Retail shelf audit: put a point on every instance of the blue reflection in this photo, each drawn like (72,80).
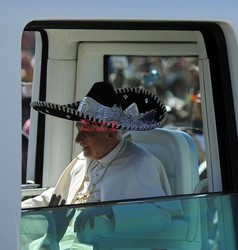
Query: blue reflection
(181,222)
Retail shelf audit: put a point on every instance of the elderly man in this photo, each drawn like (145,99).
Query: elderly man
(106,159)
(108,168)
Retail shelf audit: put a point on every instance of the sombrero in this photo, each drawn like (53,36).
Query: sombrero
(124,108)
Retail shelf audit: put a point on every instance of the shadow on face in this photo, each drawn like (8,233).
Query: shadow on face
(96,144)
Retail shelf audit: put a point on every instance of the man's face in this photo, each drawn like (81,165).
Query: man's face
(94,143)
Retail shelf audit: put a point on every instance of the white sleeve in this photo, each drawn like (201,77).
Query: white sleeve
(40,200)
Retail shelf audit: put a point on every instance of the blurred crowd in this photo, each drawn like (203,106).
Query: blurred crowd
(27,66)
(174,79)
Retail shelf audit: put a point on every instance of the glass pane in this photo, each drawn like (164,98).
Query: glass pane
(176,81)
(199,222)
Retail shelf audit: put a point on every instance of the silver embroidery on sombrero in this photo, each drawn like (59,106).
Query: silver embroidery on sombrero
(94,109)
(132,111)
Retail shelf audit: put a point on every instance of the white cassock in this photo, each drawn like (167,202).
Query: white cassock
(127,172)
(134,173)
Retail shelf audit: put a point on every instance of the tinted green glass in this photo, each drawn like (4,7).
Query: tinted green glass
(199,222)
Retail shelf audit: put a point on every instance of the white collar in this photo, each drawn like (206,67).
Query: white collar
(112,154)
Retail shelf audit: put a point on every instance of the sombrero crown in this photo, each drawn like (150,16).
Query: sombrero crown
(125,108)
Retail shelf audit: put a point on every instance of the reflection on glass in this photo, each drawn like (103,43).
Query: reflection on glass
(201,222)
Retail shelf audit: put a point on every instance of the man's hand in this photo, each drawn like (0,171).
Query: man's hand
(89,214)
(55,201)
(60,218)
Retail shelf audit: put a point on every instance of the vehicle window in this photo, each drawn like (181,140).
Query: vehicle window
(162,223)
(174,78)
(176,81)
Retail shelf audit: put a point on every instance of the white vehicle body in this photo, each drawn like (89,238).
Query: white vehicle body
(172,22)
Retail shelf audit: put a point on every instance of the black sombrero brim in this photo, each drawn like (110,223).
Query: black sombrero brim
(152,111)
(68,111)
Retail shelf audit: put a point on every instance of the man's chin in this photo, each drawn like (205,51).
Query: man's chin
(86,153)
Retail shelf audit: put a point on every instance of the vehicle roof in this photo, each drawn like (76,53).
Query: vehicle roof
(213,10)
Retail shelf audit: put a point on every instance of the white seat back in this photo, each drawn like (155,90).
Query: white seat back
(177,152)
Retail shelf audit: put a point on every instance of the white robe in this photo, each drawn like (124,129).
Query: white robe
(135,173)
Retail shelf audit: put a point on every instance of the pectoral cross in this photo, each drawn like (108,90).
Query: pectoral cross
(79,199)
